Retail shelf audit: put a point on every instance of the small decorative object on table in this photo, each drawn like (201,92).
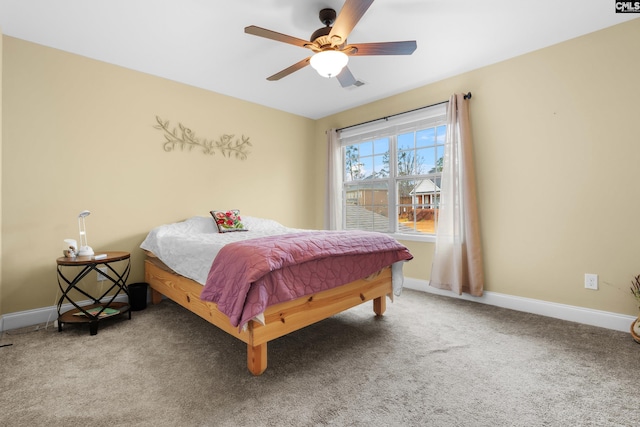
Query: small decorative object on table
(69,253)
(635,326)
(70,249)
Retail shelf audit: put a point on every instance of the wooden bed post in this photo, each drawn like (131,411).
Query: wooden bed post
(257,358)
(156,296)
(379,305)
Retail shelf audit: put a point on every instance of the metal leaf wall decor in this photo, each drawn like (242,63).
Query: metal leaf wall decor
(182,137)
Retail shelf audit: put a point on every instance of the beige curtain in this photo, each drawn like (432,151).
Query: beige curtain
(333,204)
(457,262)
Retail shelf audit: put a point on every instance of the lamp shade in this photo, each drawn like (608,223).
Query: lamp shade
(329,63)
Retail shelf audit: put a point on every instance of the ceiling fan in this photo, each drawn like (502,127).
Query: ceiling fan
(329,44)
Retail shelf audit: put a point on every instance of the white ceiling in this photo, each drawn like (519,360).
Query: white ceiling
(202,42)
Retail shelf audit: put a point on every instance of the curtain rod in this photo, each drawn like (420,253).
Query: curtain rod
(466,96)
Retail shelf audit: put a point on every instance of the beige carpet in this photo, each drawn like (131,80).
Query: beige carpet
(430,361)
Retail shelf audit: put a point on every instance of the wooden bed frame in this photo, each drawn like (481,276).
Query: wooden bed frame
(280,319)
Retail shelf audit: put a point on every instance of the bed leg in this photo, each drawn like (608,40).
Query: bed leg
(379,305)
(156,296)
(257,358)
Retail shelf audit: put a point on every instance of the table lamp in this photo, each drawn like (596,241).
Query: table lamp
(84,249)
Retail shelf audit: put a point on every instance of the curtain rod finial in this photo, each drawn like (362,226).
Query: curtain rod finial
(467,95)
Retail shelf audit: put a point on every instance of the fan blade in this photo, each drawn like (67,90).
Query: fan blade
(348,17)
(268,34)
(295,67)
(383,48)
(345,77)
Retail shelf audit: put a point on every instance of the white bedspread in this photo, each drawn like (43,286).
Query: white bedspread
(189,247)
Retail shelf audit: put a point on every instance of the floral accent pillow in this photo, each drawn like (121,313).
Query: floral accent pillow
(228,221)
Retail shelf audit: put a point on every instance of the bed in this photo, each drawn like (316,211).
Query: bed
(194,264)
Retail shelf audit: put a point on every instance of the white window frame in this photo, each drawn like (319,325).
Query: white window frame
(391,127)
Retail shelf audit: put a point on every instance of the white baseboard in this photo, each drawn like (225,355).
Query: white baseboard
(23,319)
(603,319)
(587,316)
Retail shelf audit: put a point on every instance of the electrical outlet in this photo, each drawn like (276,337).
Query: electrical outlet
(102,274)
(591,281)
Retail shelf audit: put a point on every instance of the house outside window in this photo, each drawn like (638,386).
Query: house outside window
(392,173)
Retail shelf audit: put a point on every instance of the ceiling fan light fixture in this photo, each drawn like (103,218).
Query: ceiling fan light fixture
(329,63)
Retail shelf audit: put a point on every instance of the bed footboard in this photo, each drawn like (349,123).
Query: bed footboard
(280,319)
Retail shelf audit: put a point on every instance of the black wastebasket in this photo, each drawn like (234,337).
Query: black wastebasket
(138,296)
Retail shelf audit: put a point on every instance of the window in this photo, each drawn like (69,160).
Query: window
(392,173)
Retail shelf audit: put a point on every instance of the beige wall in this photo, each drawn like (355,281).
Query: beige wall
(1,312)
(556,145)
(78,134)
(556,150)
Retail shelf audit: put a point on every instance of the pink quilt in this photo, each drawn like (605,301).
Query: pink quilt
(248,276)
